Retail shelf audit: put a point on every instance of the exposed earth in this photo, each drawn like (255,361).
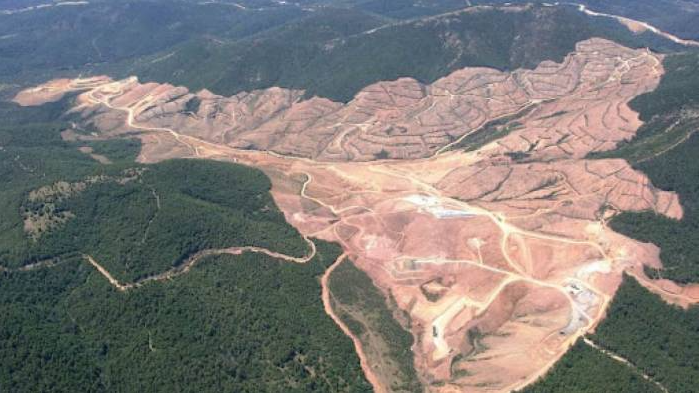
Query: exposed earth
(469,202)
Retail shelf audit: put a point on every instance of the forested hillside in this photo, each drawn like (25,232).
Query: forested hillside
(330,49)
(659,339)
(42,43)
(234,323)
(364,310)
(59,202)
(139,228)
(584,369)
(303,56)
(666,149)
(678,17)
(244,323)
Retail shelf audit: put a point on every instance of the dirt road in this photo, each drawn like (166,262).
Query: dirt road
(194,259)
(326,296)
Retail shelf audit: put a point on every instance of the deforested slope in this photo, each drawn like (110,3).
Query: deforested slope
(665,148)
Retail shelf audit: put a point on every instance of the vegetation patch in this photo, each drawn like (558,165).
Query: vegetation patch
(328,55)
(491,131)
(586,370)
(245,323)
(658,338)
(362,307)
(119,151)
(42,208)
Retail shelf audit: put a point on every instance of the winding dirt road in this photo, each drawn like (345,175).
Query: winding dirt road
(194,259)
(635,25)
(624,361)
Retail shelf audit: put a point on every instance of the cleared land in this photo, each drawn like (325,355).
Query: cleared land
(500,257)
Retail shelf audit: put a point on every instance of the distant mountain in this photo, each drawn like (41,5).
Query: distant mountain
(330,48)
(678,17)
(44,41)
(330,55)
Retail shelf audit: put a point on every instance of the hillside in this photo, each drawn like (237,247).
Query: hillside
(66,327)
(678,17)
(75,39)
(347,196)
(339,64)
(230,47)
(665,148)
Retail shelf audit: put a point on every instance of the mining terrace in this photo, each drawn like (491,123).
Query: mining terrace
(470,202)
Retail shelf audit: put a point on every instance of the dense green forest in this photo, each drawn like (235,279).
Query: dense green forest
(172,210)
(660,340)
(329,48)
(234,323)
(666,149)
(586,370)
(45,42)
(364,310)
(72,39)
(679,17)
(128,217)
(304,54)
(244,323)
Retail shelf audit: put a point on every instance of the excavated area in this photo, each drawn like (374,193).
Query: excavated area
(497,253)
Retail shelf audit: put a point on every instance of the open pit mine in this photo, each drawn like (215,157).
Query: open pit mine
(470,202)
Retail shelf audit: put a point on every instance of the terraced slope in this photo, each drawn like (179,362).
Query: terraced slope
(399,119)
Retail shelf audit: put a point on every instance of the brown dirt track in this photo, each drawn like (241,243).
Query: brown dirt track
(501,256)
